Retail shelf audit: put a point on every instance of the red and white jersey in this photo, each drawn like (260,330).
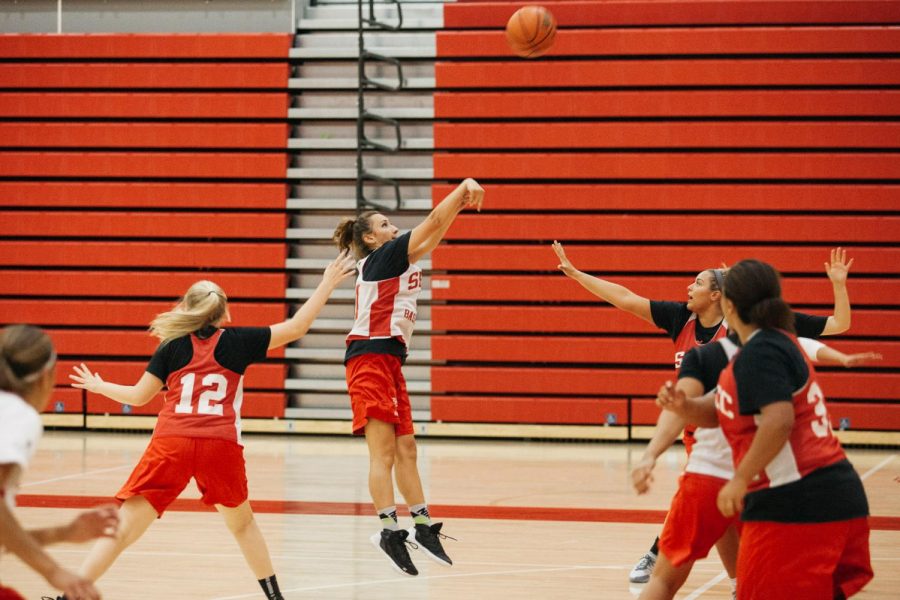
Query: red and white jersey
(711,453)
(811,445)
(687,339)
(203,397)
(386,308)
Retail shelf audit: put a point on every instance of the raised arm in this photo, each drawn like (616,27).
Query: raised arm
(297,326)
(822,353)
(428,234)
(138,394)
(617,295)
(837,270)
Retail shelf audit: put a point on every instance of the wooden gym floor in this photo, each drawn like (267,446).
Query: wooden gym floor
(534,520)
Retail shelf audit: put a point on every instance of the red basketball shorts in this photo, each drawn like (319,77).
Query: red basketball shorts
(694,523)
(803,561)
(9,594)
(169,463)
(378,391)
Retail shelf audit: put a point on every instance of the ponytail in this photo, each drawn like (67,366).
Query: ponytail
(203,304)
(755,289)
(26,353)
(348,235)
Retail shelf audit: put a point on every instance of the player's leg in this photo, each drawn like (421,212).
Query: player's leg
(391,540)
(135,516)
(160,476)
(426,534)
(727,547)
(221,476)
(666,579)
(643,568)
(243,526)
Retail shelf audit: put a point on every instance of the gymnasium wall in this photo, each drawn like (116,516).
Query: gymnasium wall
(131,167)
(130,16)
(656,140)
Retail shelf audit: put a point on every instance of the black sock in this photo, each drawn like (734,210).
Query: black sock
(655,549)
(270,587)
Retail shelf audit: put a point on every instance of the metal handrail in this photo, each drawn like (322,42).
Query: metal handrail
(362,141)
(373,22)
(367,116)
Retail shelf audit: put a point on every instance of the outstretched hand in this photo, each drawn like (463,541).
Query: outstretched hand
(340,268)
(855,360)
(565,265)
(84,379)
(668,398)
(473,194)
(102,521)
(838,268)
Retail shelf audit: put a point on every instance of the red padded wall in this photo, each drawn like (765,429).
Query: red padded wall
(656,140)
(132,166)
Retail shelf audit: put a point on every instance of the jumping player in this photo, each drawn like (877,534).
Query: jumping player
(792,483)
(387,287)
(198,432)
(27,376)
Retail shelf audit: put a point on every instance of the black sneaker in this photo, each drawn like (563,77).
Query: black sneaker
(393,544)
(429,537)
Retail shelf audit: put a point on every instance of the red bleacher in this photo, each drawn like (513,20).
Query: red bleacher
(193,135)
(655,140)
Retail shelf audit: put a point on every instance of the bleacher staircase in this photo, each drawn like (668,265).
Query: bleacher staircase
(323,144)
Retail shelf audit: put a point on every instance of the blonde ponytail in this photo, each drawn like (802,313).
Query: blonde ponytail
(26,353)
(203,304)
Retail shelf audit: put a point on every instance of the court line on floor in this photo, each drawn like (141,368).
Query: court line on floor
(75,475)
(410,580)
(449,511)
(318,556)
(700,590)
(878,467)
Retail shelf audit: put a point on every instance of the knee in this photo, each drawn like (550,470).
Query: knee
(383,458)
(240,523)
(407,450)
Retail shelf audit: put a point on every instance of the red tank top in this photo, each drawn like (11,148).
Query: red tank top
(686,340)
(203,398)
(811,445)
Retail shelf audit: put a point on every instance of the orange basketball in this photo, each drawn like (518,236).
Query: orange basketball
(530,31)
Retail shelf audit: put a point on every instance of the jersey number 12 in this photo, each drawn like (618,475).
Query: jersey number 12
(208,403)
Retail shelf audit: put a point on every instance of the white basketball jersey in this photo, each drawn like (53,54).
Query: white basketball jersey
(711,454)
(386,308)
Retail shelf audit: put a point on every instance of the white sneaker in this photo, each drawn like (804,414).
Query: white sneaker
(642,570)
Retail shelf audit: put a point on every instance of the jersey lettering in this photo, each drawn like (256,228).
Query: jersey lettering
(723,402)
(415,281)
(679,356)
(822,426)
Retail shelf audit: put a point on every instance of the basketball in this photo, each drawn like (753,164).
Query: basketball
(530,31)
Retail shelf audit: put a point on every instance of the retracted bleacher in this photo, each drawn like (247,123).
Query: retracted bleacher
(132,166)
(656,140)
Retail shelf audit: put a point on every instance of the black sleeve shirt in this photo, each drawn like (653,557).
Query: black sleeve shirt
(238,348)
